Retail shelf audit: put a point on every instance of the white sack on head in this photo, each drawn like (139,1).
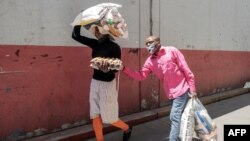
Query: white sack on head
(114,23)
(107,17)
(89,16)
(93,14)
(109,5)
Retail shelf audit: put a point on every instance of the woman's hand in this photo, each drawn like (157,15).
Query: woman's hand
(104,66)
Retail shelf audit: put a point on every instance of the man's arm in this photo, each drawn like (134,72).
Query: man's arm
(138,75)
(180,59)
(76,35)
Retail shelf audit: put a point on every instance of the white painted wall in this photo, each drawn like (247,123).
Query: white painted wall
(47,22)
(206,24)
(192,24)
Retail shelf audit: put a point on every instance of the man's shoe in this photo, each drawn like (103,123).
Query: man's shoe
(127,134)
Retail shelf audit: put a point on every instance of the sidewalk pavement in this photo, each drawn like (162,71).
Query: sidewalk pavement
(154,122)
(230,111)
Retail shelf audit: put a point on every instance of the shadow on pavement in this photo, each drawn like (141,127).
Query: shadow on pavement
(159,129)
(228,105)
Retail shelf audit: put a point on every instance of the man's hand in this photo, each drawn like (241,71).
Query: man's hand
(122,67)
(193,94)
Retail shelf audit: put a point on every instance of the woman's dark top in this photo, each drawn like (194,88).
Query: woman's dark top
(100,48)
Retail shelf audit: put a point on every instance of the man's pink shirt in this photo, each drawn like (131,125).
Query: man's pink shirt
(171,68)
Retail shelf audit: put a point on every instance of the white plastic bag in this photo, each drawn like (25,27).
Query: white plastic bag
(93,14)
(90,15)
(205,128)
(187,122)
(114,23)
(109,5)
(106,17)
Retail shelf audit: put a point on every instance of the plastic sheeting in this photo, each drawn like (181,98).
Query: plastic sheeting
(187,122)
(106,17)
(195,118)
(205,128)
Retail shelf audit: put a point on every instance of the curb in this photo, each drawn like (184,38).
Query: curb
(86,132)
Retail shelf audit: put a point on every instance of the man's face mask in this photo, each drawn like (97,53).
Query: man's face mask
(151,48)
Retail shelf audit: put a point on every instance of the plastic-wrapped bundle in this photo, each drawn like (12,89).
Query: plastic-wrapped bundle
(205,128)
(93,14)
(113,63)
(114,23)
(187,122)
(106,17)
(89,16)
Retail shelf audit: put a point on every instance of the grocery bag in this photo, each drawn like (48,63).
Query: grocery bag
(187,122)
(205,128)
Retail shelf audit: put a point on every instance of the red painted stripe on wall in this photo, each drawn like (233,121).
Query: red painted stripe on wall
(45,87)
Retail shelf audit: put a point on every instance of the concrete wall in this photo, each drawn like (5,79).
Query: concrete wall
(206,25)
(45,75)
(47,22)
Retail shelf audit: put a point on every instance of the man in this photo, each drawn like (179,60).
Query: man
(169,65)
(103,93)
